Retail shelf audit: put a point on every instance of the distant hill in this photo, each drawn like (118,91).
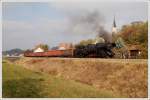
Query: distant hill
(15,52)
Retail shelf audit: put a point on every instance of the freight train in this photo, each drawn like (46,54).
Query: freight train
(100,50)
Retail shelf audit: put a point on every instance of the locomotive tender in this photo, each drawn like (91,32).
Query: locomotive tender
(100,50)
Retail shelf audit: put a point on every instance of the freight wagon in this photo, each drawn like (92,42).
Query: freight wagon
(51,53)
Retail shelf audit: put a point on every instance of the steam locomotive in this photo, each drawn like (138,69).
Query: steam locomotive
(100,50)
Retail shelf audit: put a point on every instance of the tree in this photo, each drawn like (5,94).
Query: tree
(86,42)
(135,33)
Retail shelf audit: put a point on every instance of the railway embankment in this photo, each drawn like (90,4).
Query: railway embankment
(125,77)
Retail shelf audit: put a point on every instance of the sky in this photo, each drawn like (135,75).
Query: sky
(26,24)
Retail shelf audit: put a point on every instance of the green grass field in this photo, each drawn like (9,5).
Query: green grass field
(19,82)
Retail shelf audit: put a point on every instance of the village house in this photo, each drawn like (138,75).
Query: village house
(65,46)
(38,50)
(134,51)
(128,52)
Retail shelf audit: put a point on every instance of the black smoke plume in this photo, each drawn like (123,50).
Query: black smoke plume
(89,23)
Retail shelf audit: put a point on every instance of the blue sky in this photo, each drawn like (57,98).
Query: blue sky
(28,24)
(30,11)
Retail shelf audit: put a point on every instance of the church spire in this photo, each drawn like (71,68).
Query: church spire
(114,23)
(114,29)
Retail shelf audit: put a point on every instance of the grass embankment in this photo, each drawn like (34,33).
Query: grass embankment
(125,77)
(21,82)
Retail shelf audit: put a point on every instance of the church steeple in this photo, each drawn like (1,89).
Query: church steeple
(114,23)
(114,28)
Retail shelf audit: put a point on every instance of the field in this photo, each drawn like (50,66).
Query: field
(21,82)
(84,77)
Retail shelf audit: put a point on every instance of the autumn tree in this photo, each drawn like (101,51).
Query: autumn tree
(135,33)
